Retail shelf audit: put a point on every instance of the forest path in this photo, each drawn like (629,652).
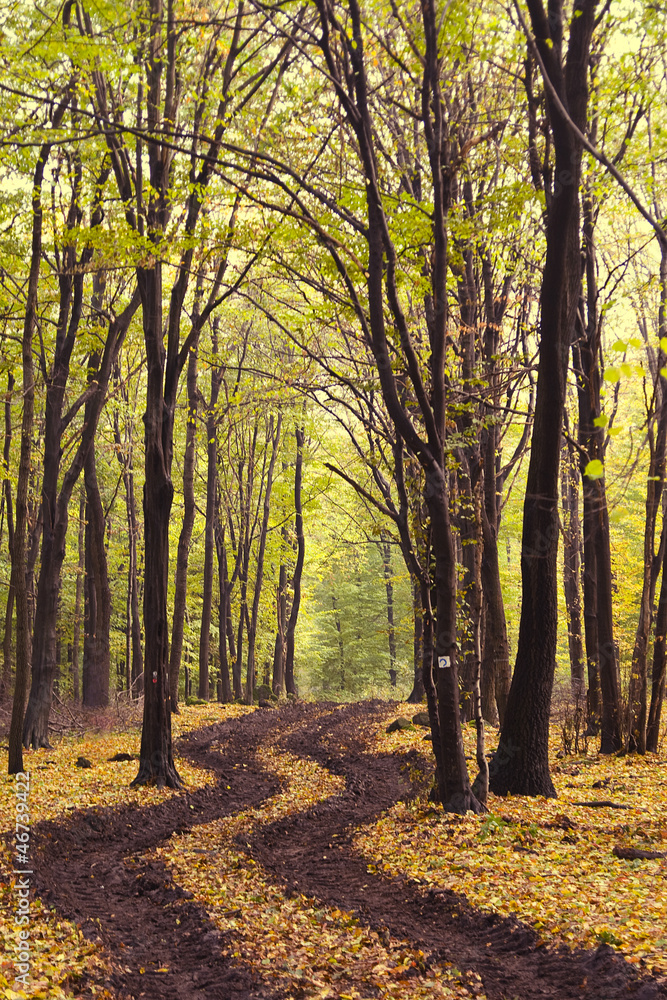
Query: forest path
(92,869)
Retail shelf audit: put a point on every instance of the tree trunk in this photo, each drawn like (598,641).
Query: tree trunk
(28,387)
(659,669)
(418,692)
(96,650)
(78,598)
(135,650)
(181,583)
(637,695)
(209,539)
(156,763)
(470,586)
(290,632)
(385,548)
(224,615)
(7,495)
(278,674)
(571,570)
(521,763)
(455,792)
(274,439)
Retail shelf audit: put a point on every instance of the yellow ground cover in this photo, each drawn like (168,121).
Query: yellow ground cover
(59,952)
(547,861)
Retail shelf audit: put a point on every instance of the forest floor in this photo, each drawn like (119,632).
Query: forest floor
(303,860)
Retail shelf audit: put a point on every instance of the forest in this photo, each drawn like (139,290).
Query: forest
(333,354)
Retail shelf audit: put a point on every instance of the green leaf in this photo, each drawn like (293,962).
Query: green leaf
(602,420)
(594,469)
(620,345)
(612,374)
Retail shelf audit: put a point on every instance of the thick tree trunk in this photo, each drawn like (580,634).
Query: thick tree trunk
(521,763)
(156,764)
(455,791)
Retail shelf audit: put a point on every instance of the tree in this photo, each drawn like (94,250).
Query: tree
(521,763)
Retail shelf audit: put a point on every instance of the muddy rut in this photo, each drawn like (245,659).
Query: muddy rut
(91,868)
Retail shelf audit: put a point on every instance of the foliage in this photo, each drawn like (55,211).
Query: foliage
(548,862)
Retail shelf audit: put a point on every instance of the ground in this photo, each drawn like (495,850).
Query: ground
(309,863)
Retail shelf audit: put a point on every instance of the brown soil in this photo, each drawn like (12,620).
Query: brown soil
(90,867)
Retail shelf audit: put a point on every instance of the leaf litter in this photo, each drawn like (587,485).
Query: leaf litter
(547,862)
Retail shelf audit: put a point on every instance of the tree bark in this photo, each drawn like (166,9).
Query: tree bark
(78,598)
(385,548)
(278,674)
(521,763)
(7,494)
(224,619)
(637,694)
(183,552)
(290,632)
(209,530)
(134,650)
(418,692)
(96,648)
(571,569)
(19,546)
(659,669)
(603,696)
(251,617)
